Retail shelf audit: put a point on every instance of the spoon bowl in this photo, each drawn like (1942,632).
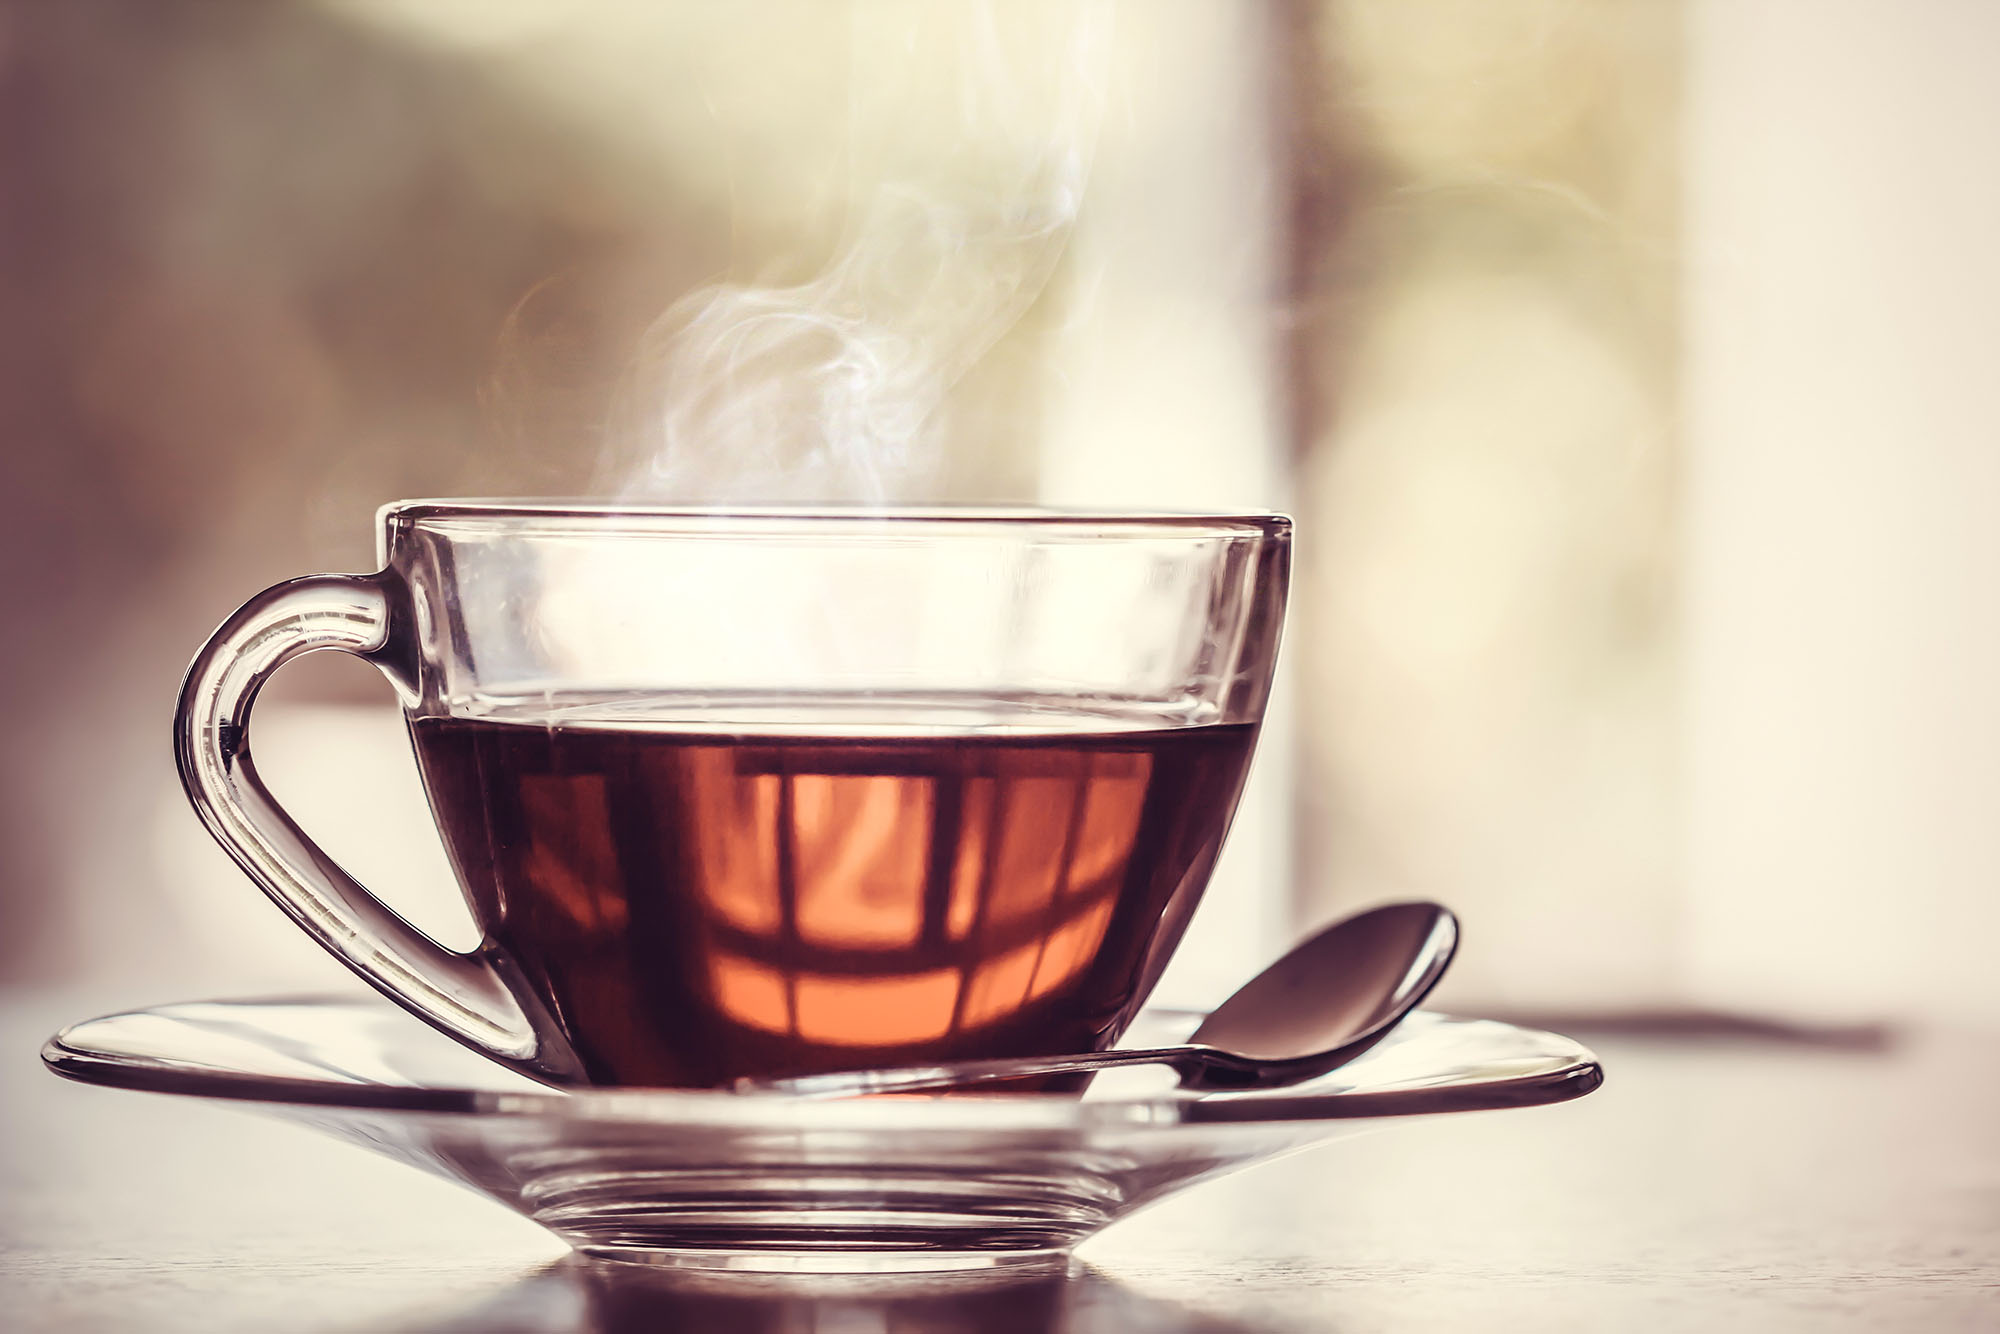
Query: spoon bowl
(1332,997)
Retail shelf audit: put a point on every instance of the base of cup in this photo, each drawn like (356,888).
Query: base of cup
(716,1260)
(827,1222)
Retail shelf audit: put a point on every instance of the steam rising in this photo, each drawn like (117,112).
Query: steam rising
(837,389)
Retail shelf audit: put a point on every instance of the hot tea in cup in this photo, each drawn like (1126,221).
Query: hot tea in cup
(774,793)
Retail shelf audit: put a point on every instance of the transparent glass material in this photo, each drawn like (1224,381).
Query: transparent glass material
(765,1182)
(773,792)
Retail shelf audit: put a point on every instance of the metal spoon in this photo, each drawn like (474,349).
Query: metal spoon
(1331,998)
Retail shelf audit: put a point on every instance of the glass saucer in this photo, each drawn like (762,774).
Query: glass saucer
(770,1183)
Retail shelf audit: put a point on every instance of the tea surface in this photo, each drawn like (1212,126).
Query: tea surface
(695,906)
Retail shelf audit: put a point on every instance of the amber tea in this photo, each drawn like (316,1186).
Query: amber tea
(696,905)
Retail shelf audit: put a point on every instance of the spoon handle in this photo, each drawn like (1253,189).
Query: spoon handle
(914,1078)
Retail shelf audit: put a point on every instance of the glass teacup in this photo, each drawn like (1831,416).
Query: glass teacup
(776,792)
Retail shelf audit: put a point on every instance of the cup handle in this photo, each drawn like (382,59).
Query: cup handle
(466,995)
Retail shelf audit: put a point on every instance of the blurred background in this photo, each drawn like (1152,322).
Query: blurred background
(1627,365)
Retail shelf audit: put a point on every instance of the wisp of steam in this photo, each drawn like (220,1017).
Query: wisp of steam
(836,389)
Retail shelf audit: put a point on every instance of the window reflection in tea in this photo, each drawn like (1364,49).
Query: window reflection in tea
(696,906)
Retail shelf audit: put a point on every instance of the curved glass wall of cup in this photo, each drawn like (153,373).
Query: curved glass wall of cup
(936,620)
(863,781)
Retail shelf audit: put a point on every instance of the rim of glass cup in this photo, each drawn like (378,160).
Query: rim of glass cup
(1267,523)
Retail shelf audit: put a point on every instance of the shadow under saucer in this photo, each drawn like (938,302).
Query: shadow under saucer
(577,1295)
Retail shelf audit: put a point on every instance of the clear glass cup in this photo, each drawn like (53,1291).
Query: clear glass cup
(775,791)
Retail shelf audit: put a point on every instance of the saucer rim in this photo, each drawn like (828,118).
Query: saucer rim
(1574,1072)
